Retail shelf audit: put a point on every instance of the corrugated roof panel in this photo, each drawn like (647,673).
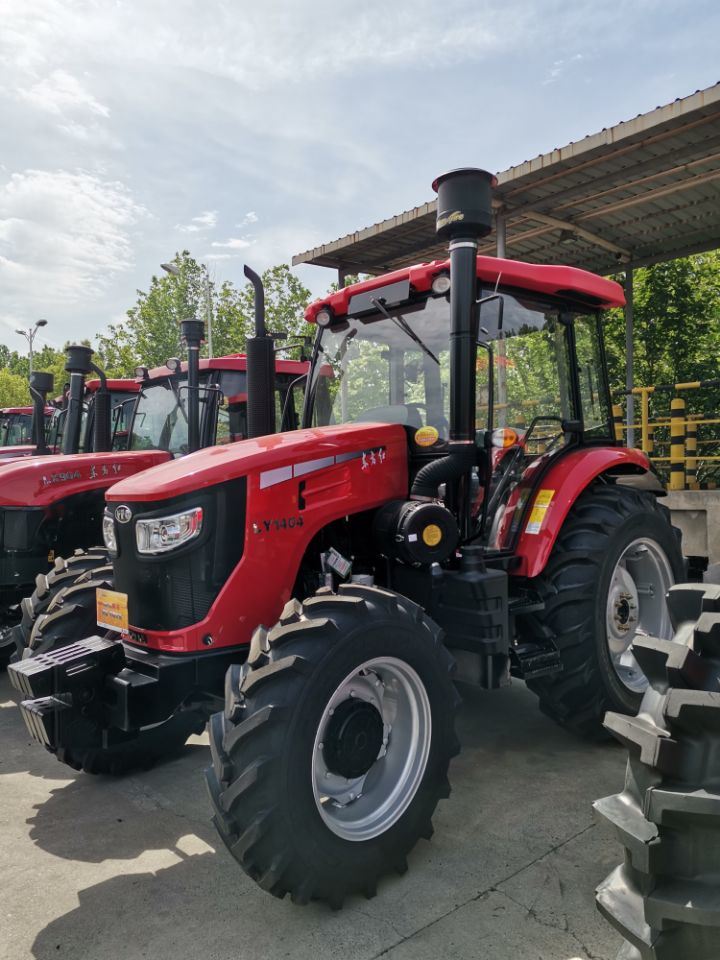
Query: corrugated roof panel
(649,186)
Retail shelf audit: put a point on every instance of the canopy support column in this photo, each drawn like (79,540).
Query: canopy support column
(629,373)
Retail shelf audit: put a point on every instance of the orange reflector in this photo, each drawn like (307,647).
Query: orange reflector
(505,437)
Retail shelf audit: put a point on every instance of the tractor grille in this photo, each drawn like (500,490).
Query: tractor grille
(176,589)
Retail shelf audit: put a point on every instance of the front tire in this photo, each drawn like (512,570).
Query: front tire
(65,573)
(664,897)
(333,749)
(605,584)
(71,617)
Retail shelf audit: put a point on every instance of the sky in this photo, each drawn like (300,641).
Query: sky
(249,132)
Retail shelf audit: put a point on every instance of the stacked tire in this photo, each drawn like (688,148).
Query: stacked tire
(665,897)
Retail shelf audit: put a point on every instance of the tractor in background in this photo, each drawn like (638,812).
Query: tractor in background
(51,508)
(455,507)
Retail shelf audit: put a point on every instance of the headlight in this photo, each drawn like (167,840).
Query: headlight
(108,529)
(166,533)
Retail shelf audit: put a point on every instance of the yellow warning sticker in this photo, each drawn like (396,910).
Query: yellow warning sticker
(426,436)
(542,501)
(112,610)
(432,535)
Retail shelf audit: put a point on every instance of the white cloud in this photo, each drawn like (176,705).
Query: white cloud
(60,93)
(234,243)
(204,221)
(63,237)
(559,67)
(250,217)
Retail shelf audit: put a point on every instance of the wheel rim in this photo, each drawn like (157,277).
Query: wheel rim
(636,607)
(371,749)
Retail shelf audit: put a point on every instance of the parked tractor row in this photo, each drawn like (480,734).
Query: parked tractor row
(316,593)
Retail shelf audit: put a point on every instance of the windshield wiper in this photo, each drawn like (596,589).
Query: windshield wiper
(401,322)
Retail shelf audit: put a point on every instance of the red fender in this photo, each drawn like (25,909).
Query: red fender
(554,496)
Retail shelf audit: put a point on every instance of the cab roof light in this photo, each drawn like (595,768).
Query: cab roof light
(142,373)
(324,317)
(173,365)
(440,284)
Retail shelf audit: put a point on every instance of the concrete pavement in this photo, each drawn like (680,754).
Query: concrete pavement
(103,869)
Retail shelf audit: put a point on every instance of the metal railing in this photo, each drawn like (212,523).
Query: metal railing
(676,439)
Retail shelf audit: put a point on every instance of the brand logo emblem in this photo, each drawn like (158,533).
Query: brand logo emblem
(123,514)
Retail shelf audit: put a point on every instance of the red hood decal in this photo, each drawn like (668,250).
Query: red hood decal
(40,481)
(277,457)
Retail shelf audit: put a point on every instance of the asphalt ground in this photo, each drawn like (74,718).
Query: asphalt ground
(122,869)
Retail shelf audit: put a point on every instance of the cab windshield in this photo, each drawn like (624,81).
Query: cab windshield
(15,429)
(371,368)
(161,420)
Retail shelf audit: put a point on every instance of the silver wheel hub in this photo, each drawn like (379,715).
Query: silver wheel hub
(636,606)
(371,748)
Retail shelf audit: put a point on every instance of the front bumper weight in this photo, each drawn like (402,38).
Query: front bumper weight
(77,665)
(42,718)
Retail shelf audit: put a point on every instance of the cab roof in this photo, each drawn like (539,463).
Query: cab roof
(234,361)
(533,277)
(114,384)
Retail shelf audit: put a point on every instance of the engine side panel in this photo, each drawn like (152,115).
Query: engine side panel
(293,491)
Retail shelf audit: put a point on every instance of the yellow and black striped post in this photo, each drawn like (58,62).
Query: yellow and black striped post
(691,448)
(677,444)
(617,416)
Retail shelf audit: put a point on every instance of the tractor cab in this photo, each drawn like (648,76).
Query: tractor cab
(537,382)
(160,418)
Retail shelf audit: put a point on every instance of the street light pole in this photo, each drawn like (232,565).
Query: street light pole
(30,335)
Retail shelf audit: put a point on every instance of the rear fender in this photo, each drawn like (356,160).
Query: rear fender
(556,492)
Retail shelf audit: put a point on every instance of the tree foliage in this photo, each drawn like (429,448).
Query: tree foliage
(151,333)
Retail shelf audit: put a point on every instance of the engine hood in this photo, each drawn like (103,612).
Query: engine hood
(40,481)
(273,458)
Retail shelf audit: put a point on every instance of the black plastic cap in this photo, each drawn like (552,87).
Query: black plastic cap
(78,359)
(464,204)
(193,332)
(44,383)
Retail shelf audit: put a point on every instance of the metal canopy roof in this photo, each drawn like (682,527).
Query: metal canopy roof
(640,192)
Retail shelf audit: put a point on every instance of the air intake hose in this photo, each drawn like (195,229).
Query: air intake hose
(460,461)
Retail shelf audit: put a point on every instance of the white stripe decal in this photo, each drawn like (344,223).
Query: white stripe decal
(269,478)
(310,466)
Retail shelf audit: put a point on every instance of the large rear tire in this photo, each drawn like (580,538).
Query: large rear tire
(665,898)
(605,584)
(333,749)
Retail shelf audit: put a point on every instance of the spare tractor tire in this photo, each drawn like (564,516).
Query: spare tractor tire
(333,749)
(605,583)
(665,897)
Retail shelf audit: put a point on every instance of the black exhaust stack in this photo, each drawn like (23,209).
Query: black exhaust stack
(102,438)
(78,364)
(193,334)
(260,368)
(41,384)
(464,215)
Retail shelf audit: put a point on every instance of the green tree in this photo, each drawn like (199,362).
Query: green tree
(151,333)
(676,323)
(13,389)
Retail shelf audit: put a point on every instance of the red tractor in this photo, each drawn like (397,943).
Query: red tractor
(52,507)
(454,506)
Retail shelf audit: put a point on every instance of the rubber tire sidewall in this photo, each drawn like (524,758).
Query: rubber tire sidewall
(314,838)
(649,526)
